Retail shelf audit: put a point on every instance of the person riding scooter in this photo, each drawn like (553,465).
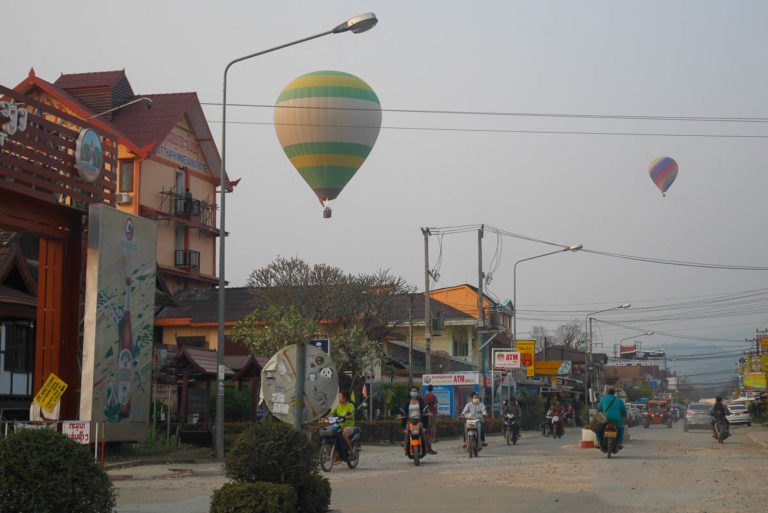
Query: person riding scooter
(719,411)
(513,408)
(412,409)
(475,407)
(614,409)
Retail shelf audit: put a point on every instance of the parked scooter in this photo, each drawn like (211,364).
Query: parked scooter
(333,447)
(472,431)
(511,428)
(415,445)
(558,425)
(609,443)
(546,425)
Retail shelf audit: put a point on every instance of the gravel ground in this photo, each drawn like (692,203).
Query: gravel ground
(660,470)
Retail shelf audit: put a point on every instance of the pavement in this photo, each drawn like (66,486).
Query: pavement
(757,433)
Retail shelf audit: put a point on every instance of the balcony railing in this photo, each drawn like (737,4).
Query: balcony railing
(187,207)
(187,259)
(181,205)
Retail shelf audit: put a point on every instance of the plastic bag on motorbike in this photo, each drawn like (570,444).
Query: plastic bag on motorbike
(597,424)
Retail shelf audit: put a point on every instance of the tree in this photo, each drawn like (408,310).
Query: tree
(571,335)
(353,352)
(327,294)
(265,332)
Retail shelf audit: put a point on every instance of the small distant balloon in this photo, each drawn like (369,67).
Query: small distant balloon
(663,172)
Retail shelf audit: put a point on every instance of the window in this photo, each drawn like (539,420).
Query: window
(460,344)
(190,342)
(126,176)
(19,346)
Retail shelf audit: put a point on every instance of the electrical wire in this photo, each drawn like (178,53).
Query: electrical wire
(716,119)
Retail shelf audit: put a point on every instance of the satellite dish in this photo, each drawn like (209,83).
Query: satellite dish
(278,383)
(441,362)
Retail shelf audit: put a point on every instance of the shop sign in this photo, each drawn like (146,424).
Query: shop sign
(468,378)
(755,364)
(506,360)
(527,348)
(88,155)
(754,381)
(17,120)
(764,362)
(553,368)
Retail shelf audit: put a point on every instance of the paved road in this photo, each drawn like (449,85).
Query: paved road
(661,469)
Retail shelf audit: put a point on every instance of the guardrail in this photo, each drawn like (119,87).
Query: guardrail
(81,431)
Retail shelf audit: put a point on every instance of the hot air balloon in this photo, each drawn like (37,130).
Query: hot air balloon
(327,123)
(663,172)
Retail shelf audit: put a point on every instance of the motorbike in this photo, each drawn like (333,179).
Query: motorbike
(546,426)
(333,448)
(415,446)
(472,431)
(511,428)
(558,425)
(609,443)
(721,429)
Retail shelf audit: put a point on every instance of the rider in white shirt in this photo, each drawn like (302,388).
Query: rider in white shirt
(475,407)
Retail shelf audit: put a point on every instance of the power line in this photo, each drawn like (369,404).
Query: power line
(506,130)
(716,119)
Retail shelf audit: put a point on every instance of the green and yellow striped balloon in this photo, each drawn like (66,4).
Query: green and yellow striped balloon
(327,123)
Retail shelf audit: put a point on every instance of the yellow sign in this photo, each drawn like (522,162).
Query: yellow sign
(755,365)
(527,348)
(50,393)
(754,381)
(764,360)
(553,368)
(764,344)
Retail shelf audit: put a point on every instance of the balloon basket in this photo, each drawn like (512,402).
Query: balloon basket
(326,213)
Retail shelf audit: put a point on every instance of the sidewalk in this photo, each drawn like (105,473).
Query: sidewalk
(143,470)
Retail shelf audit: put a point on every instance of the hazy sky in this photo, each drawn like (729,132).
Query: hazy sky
(695,58)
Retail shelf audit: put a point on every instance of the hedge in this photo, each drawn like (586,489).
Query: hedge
(258,497)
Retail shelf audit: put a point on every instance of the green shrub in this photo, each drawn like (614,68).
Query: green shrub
(533,408)
(273,452)
(258,497)
(43,471)
(313,492)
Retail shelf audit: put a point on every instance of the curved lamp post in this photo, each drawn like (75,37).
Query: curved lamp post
(356,25)
(588,358)
(575,247)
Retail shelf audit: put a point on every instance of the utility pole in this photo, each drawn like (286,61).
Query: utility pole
(427,311)
(480,312)
(410,342)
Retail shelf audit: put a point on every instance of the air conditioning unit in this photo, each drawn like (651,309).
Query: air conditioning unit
(121,198)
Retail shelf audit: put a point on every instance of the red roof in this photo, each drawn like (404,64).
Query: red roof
(87,80)
(151,126)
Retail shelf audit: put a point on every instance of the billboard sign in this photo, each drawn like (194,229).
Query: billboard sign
(78,431)
(527,348)
(444,394)
(50,392)
(754,381)
(506,360)
(119,322)
(553,368)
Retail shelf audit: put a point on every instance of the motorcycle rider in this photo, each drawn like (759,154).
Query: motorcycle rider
(475,407)
(513,408)
(719,411)
(614,409)
(347,410)
(413,408)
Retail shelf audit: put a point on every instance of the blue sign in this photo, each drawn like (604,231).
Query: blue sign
(323,344)
(444,395)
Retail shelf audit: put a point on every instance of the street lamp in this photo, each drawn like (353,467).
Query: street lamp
(575,247)
(356,25)
(588,356)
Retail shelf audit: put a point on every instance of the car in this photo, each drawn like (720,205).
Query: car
(698,415)
(739,414)
(633,415)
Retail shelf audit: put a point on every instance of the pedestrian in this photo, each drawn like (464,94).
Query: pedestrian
(430,403)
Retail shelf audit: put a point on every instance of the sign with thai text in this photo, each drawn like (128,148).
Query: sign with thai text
(80,432)
(527,348)
(467,378)
(51,392)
